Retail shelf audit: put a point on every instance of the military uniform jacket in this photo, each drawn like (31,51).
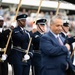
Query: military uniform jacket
(20,39)
(36,40)
(3,41)
(68,40)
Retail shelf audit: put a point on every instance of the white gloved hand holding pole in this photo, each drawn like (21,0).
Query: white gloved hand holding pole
(26,57)
(4,57)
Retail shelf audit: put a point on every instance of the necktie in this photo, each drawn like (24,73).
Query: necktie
(60,41)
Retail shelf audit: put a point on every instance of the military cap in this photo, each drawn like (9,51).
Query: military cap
(41,22)
(66,23)
(22,16)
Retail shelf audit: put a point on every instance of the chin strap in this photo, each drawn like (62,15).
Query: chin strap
(64,30)
(40,28)
(20,22)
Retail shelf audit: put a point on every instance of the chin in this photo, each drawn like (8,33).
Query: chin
(0,26)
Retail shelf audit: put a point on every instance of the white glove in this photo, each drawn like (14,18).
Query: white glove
(1,30)
(4,57)
(26,57)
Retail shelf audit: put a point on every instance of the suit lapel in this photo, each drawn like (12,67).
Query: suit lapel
(53,38)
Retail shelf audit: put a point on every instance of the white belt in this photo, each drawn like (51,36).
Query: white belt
(18,48)
(36,51)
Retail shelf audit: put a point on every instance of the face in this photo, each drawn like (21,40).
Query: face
(22,22)
(66,29)
(42,28)
(56,27)
(1,23)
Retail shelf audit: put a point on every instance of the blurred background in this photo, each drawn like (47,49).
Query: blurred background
(48,9)
(30,7)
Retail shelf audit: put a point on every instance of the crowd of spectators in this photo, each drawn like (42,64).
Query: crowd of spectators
(9,14)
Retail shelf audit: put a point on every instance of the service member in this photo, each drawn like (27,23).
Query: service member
(36,60)
(4,35)
(67,39)
(65,30)
(21,37)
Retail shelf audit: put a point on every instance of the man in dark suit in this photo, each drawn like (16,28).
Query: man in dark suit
(4,34)
(54,54)
(21,38)
(36,60)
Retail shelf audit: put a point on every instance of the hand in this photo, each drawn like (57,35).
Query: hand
(26,57)
(1,30)
(68,46)
(34,30)
(4,57)
(11,27)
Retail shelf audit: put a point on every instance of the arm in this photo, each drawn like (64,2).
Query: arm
(48,48)
(70,40)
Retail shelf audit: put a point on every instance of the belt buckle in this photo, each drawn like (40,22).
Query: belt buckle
(19,47)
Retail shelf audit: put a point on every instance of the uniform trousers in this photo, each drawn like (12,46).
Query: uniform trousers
(36,64)
(21,69)
(4,68)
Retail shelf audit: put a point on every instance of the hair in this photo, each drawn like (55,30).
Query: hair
(52,21)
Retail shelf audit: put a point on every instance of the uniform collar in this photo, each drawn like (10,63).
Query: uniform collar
(22,28)
(64,33)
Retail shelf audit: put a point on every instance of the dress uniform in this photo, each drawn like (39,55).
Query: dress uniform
(65,38)
(36,60)
(20,38)
(68,40)
(4,34)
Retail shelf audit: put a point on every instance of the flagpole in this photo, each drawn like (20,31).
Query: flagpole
(58,8)
(11,30)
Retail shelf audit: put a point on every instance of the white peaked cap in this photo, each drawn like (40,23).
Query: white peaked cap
(1,18)
(65,21)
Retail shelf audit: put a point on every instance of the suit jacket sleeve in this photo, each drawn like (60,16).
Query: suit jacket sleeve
(49,48)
